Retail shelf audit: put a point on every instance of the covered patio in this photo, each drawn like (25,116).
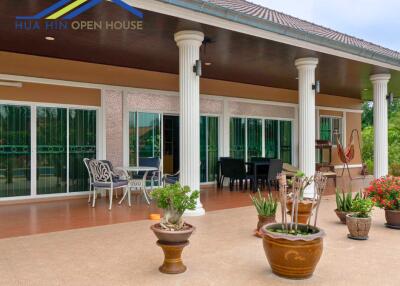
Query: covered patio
(40,217)
(267,88)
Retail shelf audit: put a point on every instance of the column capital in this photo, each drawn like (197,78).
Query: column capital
(194,37)
(380,78)
(306,62)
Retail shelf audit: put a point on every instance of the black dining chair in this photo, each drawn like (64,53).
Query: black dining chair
(262,171)
(275,167)
(222,170)
(235,170)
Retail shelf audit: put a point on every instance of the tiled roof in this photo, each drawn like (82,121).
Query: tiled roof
(276,17)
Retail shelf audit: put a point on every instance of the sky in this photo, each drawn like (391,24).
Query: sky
(376,21)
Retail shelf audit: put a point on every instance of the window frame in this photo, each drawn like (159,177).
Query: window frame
(331,118)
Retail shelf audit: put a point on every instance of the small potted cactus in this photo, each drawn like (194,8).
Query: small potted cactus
(343,204)
(266,209)
(359,220)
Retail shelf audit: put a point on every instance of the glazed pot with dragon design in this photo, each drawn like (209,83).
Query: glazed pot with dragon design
(293,256)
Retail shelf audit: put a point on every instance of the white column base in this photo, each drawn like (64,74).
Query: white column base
(309,192)
(197,212)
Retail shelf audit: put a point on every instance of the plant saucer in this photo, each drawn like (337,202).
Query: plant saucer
(392,226)
(358,237)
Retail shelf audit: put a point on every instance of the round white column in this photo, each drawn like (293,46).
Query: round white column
(306,68)
(381,153)
(189,43)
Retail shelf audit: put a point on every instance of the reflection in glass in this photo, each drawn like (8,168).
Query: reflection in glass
(82,144)
(51,150)
(15,150)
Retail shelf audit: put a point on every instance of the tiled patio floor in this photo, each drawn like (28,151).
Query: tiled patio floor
(222,252)
(43,217)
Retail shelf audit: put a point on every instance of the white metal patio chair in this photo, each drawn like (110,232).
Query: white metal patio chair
(103,180)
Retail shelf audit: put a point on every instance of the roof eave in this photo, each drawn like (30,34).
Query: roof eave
(228,14)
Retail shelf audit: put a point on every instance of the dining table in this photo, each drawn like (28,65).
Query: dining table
(252,164)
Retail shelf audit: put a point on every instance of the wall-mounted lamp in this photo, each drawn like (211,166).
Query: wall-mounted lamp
(11,84)
(197,68)
(317,86)
(389,98)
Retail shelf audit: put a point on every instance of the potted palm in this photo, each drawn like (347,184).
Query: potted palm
(359,220)
(172,232)
(304,204)
(293,249)
(266,209)
(343,204)
(385,193)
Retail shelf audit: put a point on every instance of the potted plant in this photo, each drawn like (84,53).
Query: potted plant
(385,193)
(359,220)
(294,249)
(172,232)
(343,204)
(266,209)
(305,204)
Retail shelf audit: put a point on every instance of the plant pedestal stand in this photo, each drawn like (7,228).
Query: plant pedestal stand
(173,263)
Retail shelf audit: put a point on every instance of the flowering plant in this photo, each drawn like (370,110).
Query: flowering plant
(385,192)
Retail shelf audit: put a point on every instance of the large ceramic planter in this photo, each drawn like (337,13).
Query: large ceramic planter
(305,210)
(358,227)
(293,257)
(172,244)
(392,218)
(341,215)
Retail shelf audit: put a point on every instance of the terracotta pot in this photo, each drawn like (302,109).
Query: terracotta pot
(358,227)
(393,218)
(341,215)
(305,210)
(263,220)
(172,236)
(294,257)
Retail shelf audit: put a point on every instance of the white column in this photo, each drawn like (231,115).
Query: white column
(189,43)
(306,68)
(225,130)
(381,163)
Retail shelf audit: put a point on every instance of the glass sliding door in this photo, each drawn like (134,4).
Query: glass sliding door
(203,149)
(254,138)
(208,148)
(285,139)
(51,150)
(82,144)
(271,139)
(278,140)
(133,139)
(212,151)
(238,138)
(144,136)
(15,150)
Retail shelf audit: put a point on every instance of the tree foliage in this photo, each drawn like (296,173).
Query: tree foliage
(393,134)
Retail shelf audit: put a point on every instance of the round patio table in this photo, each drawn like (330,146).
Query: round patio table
(137,183)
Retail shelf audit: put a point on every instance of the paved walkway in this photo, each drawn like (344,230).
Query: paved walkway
(222,252)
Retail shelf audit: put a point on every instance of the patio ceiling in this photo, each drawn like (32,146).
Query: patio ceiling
(234,56)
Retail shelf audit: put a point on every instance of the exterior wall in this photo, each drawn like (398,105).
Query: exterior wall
(351,120)
(51,94)
(155,91)
(114,117)
(35,66)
